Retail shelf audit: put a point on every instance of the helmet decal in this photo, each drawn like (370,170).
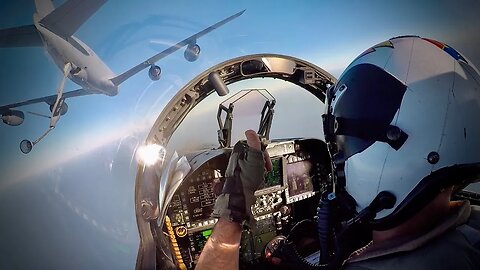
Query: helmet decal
(451,51)
(385,44)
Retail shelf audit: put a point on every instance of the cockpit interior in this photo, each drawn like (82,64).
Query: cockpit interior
(174,200)
(175,226)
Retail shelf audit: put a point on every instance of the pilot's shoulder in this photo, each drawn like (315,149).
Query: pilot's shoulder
(474,219)
(451,250)
(471,230)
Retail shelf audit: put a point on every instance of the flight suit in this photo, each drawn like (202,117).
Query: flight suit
(453,244)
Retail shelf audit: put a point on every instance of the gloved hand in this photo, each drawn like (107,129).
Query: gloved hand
(244,174)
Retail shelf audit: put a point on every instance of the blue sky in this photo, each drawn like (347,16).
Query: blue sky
(81,177)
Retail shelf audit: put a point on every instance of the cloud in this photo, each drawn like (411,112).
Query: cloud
(31,168)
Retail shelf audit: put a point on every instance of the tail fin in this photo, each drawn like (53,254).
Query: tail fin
(67,18)
(44,7)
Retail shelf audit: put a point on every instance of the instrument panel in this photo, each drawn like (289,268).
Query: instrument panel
(297,176)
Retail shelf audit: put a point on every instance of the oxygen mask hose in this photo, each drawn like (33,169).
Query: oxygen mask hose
(324,226)
(383,200)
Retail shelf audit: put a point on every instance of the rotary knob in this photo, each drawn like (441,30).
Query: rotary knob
(181,231)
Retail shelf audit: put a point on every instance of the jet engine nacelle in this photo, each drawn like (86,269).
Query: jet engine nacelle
(192,52)
(154,72)
(13,118)
(64,109)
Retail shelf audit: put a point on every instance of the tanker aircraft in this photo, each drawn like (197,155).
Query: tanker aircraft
(53,28)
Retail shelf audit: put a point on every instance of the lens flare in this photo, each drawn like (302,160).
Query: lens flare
(150,154)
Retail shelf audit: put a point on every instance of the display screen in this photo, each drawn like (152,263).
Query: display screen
(298,177)
(207,233)
(273,177)
(199,239)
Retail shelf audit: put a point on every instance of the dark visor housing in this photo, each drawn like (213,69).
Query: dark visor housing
(362,114)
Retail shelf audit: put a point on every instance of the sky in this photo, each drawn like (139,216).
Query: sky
(69,203)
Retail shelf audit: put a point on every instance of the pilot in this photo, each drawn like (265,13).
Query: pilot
(401,121)
(402,138)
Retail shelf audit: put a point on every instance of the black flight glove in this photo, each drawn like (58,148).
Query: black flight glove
(243,176)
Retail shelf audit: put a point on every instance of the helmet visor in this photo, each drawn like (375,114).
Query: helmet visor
(362,107)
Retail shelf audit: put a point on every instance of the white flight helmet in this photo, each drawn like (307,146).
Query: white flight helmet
(403,118)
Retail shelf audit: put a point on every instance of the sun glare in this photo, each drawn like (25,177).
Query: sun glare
(150,154)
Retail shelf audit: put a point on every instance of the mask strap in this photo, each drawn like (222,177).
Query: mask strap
(370,130)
